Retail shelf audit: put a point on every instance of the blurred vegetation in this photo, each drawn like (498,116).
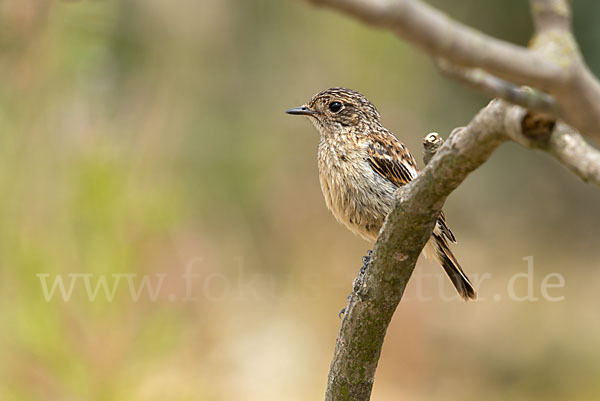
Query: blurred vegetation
(137,135)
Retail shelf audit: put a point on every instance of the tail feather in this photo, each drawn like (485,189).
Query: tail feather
(452,268)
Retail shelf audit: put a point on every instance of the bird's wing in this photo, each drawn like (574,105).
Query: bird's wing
(391,160)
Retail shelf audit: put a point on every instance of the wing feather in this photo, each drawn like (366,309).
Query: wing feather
(445,229)
(391,160)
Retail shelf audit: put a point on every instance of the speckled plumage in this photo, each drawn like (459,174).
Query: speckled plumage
(361,165)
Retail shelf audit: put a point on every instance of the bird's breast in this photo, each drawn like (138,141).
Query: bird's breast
(356,195)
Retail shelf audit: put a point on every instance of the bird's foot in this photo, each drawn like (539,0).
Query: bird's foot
(341,314)
(366,260)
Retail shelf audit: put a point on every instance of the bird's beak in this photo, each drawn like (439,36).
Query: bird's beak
(301,111)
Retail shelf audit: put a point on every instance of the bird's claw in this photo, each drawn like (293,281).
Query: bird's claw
(341,314)
(366,260)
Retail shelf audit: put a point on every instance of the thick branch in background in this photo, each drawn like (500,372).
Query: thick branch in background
(440,36)
(563,74)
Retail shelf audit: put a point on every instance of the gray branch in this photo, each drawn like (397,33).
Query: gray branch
(563,143)
(553,65)
(402,238)
(440,36)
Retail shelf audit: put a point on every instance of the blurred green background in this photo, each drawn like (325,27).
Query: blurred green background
(146,138)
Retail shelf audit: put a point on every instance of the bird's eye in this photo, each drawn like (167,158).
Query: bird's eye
(335,107)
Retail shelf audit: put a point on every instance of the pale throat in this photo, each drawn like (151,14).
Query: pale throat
(325,131)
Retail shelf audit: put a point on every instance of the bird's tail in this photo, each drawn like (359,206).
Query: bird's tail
(451,266)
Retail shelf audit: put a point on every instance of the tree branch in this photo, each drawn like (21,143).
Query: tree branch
(554,64)
(441,36)
(551,14)
(560,141)
(408,227)
(569,148)
(579,95)
(402,238)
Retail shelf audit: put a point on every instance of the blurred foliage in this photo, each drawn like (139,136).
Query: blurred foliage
(138,135)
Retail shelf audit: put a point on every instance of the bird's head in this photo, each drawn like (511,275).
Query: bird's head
(339,110)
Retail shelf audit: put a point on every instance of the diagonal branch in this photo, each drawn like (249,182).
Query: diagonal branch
(441,36)
(402,238)
(377,293)
(563,143)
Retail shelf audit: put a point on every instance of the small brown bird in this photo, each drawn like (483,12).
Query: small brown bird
(361,165)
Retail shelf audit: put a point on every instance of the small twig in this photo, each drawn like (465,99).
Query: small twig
(431,143)
(551,14)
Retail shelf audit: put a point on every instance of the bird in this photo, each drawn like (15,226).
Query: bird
(361,165)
